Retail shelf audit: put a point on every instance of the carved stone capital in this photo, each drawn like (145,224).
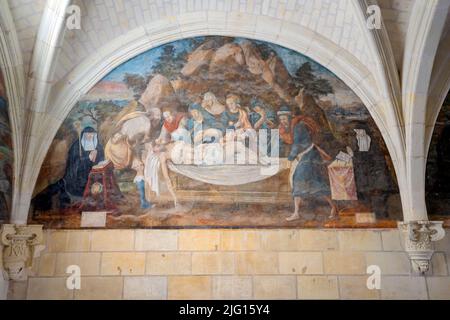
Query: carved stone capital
(18,244)
(418,238)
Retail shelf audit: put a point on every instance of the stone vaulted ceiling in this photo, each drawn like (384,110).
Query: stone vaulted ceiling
(396,15)
(104,20)
(27,15)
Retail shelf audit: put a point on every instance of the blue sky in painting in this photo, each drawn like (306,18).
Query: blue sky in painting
(144,63)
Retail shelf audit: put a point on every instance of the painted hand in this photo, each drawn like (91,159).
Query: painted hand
(93,155)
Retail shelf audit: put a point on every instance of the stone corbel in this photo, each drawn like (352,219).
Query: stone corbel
(418,237)
(19,243)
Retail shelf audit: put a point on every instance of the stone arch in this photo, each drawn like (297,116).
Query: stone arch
(11,64)
(292,36)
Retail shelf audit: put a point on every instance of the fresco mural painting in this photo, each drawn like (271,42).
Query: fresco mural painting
(218,132)
(6,156)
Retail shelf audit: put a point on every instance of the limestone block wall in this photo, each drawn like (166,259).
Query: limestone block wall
(3,288)
(231,264)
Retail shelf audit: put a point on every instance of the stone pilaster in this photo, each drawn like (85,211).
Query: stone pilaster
(18,244)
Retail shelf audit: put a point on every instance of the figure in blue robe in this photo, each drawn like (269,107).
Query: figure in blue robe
(203,121)
(310,178)
(212,121)
(229,119)
(284,127)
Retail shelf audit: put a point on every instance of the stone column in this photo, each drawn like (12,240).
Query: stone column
(422,41)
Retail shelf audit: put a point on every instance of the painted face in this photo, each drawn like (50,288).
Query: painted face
(284,120)
(232,105)
(257,109)
(196,115)
(168,116)
(89,135)
(207,102)
(89,141)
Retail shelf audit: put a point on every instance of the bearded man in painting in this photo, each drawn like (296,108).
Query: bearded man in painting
(308,175)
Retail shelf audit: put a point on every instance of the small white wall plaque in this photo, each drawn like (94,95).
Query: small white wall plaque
(364,218)
(93,219)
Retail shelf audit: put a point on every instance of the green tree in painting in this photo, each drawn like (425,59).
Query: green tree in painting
(313,85)
(170,63)
(135,82)
(194,43)
(265,50)
(87,113)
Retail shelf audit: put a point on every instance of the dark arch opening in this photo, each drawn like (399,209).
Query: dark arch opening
(6,156)
(438,166)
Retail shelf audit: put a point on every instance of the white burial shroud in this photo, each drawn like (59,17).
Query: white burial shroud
(211,169)
(226,175)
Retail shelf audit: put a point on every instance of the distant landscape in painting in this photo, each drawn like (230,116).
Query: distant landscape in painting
(6,156)
(218,132)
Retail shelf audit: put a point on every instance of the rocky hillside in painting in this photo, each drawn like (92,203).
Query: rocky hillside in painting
(242,68)
(223,68)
